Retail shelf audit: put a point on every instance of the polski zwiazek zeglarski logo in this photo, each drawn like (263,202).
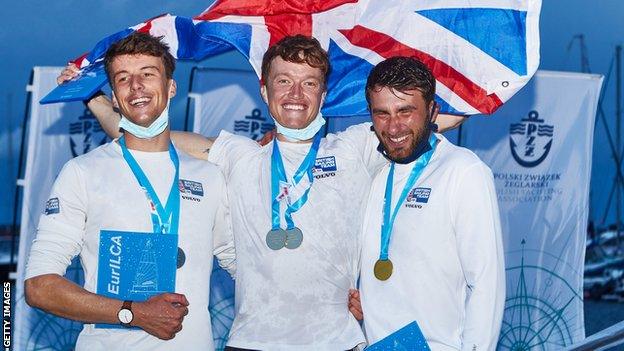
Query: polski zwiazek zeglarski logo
(85,134)
(530,140)
(253,125)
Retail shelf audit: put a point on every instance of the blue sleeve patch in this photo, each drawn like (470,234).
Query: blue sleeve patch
(191,187)
(52,206)
(420,195)
(326,164)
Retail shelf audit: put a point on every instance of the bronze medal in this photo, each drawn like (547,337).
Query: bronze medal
(383,269)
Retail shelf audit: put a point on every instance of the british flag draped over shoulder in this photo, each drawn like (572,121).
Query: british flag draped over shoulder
(480,51)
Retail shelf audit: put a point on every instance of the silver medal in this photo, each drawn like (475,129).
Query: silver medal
(276,239)
(294,238)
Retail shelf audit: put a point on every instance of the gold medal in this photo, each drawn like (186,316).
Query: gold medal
(383,269)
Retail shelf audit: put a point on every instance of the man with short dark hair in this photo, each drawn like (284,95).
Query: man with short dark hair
(432,247)
(144,219)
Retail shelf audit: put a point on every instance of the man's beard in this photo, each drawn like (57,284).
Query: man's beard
(418,146)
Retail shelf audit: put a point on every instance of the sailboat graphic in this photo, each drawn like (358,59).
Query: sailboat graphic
(146,277)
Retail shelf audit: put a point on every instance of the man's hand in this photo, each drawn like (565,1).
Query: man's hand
(447,122)
(161,315)
(355,306)
(70,72)
(99,104)
(267,137)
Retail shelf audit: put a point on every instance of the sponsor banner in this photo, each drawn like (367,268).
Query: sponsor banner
(56,133)
(539,147)
(229,100)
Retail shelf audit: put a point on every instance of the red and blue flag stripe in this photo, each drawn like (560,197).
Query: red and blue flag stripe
(481,52)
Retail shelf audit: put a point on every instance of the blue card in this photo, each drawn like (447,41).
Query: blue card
(81,88)
(408,338)
(136,266)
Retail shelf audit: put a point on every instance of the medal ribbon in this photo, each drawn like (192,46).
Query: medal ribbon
(164,219)
(388,222)
(278,174)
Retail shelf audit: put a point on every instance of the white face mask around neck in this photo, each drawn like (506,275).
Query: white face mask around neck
(156,128)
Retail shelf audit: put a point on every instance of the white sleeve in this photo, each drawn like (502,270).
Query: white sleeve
(364,141)
(223,239)
(228,149)
(474,208)
(61,227)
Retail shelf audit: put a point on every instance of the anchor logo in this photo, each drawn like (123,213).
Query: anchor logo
(86,134)
(254,125)
(531,140)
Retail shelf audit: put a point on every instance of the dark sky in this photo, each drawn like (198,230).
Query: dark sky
(48,33)
(601,23)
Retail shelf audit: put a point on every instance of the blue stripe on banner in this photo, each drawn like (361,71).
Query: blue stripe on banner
(345,86)
(446,108)
(346,100)
(188,40)
(215,38)
(100,48)
(508,46)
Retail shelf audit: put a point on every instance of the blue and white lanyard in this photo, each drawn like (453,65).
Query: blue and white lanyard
(278,174)
(388,221)
(164,219)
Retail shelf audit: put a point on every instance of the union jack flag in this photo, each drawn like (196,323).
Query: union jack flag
(481,51)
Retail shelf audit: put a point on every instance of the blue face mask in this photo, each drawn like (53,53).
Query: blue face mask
(306,133)
(156,128)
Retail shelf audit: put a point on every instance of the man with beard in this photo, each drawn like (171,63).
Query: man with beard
(432,248)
